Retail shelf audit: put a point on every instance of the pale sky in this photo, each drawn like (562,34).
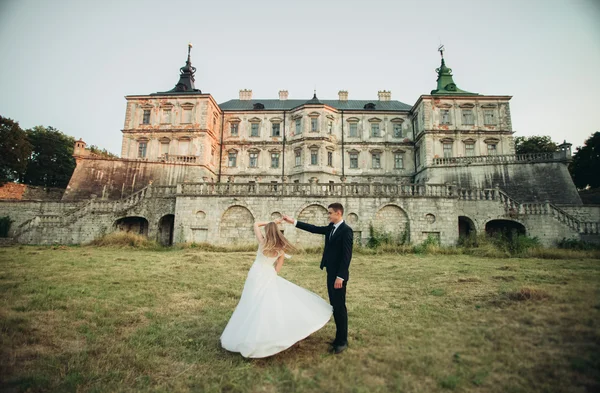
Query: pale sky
(69,64)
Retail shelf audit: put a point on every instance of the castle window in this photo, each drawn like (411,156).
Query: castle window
(489,118)
(274,160)
(467,117)
(232,159)
(330,158)
(164,147)
(375,130)
(353,130)
(445,117)
(314,125)
(253,160)
(276,129)
(447,149)
(398,160)
(234,128)
(146,118)
(397,130)
(469,150)
(184,147)
(376,160)
(298,126)
(253,129)
(187,115)
(492,149)
(314,156)
(142,147)
(166,116)
(298,157)
(354,160)
(330,127)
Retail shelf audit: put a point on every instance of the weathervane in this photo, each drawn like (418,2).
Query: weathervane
(441,50)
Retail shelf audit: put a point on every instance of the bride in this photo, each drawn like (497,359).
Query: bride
(272,314)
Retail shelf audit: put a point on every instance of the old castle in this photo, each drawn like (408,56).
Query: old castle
(193,170)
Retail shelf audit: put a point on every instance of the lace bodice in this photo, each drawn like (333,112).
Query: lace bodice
(264,259)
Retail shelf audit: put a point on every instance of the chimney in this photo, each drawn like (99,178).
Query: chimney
(283,95)
(343,95)
(384,95)
(245,95)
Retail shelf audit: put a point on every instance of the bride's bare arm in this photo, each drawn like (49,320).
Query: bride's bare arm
(279,263)
(257,231)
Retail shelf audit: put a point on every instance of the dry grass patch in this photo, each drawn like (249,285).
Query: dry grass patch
(144,320)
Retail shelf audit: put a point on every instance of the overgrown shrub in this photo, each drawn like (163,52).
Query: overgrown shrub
(378,238)
(5,223)
(576,244)
(124,239)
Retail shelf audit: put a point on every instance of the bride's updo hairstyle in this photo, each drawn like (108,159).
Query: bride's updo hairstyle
(275,241)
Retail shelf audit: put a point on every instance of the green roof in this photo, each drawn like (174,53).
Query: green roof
(445,83)
(275,104)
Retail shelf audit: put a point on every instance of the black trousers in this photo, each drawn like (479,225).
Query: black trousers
(337,299)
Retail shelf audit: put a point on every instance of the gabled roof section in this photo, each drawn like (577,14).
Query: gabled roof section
(281,105)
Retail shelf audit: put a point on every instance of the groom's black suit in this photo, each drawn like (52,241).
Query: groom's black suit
(336,260)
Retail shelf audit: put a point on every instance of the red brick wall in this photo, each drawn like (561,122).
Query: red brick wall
(12,191)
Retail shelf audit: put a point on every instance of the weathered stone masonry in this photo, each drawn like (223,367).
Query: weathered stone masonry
(193,170)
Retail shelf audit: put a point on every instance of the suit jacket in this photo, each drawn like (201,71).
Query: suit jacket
(338,250)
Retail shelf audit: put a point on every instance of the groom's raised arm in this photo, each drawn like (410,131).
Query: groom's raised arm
(307,227)
(311,228)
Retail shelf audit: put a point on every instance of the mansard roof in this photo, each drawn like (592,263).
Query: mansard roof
(276,104)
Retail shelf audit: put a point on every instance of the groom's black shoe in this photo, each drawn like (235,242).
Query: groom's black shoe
(337,349)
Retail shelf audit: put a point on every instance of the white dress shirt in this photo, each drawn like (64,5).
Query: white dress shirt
(335,227)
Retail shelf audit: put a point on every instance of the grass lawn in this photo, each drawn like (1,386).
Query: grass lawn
(108,319)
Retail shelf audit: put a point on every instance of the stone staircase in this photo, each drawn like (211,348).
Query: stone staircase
(514,209)
(92,206)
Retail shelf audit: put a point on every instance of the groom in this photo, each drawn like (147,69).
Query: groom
(336,259)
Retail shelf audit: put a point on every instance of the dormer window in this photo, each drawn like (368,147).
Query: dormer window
(258,106)
(370,106)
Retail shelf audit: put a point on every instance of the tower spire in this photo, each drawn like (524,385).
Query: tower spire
(186,78)
(445,82)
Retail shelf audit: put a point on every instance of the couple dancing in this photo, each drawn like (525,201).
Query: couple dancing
(273,314)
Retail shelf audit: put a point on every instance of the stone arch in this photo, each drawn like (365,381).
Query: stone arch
(315,214)
(508,228)
(133,224)
(236,225)
(392,219)
(166,224)
(466,227)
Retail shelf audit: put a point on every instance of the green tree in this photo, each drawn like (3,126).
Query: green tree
(534,144)
(102,152)
(51,163)
(14,150)
(585,167)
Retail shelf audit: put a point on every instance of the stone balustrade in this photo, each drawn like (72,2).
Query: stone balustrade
(317,189)
(178,158)
(500,159)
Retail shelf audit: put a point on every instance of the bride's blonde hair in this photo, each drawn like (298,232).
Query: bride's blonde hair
(275,241)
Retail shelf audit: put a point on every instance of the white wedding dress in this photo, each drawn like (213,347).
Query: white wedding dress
(273,313)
